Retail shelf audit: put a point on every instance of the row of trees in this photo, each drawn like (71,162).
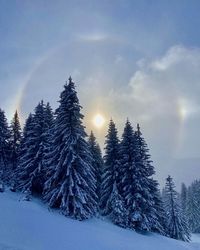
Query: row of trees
(190,200)
(53,159)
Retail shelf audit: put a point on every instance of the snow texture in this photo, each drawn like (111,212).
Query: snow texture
(30,226)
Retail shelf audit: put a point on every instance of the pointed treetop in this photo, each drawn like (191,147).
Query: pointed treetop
(138,127)
(70,79)
(127,121)
(16,116)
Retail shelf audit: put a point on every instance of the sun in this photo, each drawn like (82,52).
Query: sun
(98,121)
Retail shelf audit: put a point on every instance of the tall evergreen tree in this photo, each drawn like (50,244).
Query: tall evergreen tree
(183,197)
(71,185)
(25,145)
(176,223)
(110,172)
(127,180)
(15,140)
(46,146)
(152,207)
(4,147)
(30,171)
(135,186)
(192,209)
(97,161)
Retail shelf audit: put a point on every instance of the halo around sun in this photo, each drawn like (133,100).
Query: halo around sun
(98,121)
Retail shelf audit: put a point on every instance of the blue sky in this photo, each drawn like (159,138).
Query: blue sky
(137,59)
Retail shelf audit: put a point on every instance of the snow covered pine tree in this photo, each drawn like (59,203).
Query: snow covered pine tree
(16,136)
(110,169)
(192,210)
(4,148)
(176,223)
(183,197)
(30,172)
(118,214)
(151,206)
(97,161)
(71,185)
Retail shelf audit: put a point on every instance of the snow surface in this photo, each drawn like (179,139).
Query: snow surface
(30,226)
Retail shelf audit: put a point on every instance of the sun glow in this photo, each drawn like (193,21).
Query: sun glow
(98,121)
(186,108)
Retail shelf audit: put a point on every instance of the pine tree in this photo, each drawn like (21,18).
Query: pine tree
(25,145)
(110,169)
(26,135)
(48,118)
(49,123)
(15,140)
(150,200)
(97,161)
(30,171)
(176,223)
(183,197)
(192,209)
(4,147)
(127,180)
(134,181)
(159,222)
(71,185)
(118,213)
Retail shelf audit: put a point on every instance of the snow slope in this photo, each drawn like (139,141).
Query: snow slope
(30,226)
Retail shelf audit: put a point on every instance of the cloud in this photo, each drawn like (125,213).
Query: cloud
(163,95)
(168,84)
(93,37)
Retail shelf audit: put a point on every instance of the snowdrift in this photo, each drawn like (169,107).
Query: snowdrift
(30,226)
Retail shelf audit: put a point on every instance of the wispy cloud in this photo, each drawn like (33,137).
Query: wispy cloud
(93,37)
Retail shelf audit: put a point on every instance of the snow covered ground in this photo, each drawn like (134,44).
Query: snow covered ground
(30,226)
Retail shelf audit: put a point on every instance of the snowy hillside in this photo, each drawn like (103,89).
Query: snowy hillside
(30,226)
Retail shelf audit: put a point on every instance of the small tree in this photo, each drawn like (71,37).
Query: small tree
(176,223)
(15,140)
(118,215)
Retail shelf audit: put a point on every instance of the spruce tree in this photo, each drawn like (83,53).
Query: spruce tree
(71,184)
(176,222)
(4,147)
(183,197)
(97,161)
(16,135)
(25,145)
(47,138)
(110,172)
(158,222)
(150,200)
(48,118)
(30,171)
(192,209)
(118,213)
(134,181)
(127,175)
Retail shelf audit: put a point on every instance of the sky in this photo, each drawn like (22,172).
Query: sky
(136,59)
